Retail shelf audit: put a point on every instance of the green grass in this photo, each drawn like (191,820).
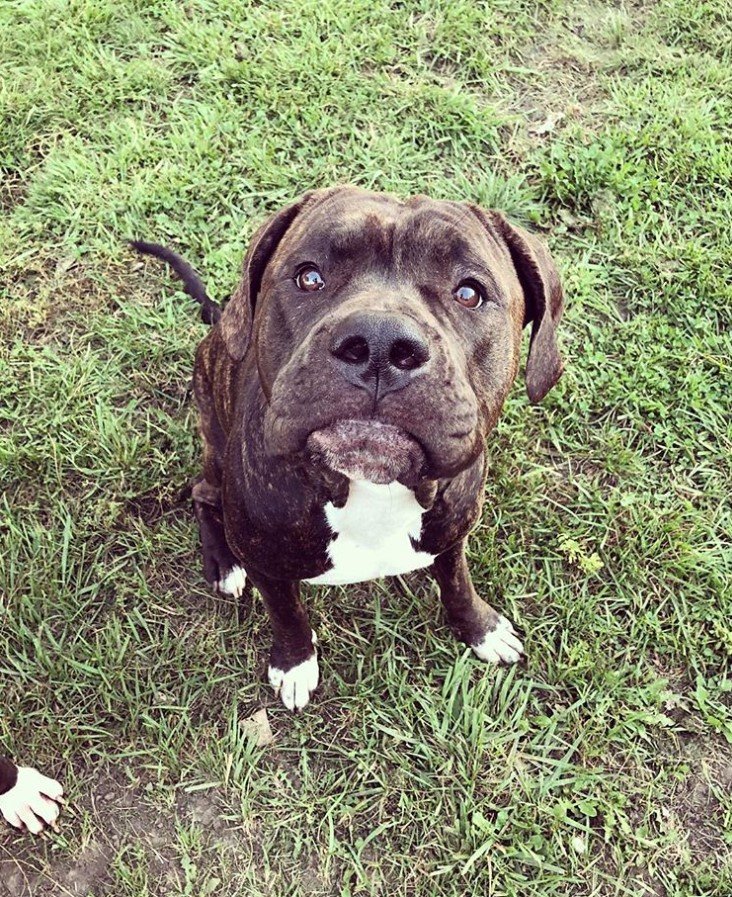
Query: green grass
(601,767)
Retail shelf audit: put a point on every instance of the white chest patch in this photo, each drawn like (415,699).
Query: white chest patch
(373,534)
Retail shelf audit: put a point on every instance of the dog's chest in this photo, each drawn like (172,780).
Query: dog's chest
(373,533)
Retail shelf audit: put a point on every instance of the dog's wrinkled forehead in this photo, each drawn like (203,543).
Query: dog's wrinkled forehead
(354,225)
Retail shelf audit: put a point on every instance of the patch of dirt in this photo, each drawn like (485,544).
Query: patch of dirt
(80,878)
(32,311)
(48,299)
(565,63)
(688,818)
(12,192)
(586,469)
(72,863)
(696,805)
(151,506)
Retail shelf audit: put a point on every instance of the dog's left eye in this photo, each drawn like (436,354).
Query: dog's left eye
(469,294)
(309,279)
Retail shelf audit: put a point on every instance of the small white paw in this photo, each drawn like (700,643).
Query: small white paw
(33,801)
(234,582)
(501,644)
(296,685)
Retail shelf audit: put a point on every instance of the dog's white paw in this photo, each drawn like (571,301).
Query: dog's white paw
(33,801)
(234,582)
(296,685)
(500,644)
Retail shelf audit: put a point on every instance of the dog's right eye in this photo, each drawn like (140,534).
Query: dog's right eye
(469,294)
(309,279)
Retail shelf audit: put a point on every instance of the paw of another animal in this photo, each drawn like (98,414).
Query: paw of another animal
(232,582)
(500,644)
(33,802)
(296,685)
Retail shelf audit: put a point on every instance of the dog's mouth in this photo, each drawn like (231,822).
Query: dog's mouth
(368,450)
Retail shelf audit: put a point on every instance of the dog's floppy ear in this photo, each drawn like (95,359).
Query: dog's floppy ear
(236,321)
(543,296)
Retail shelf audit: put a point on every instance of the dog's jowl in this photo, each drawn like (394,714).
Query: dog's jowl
(345,397)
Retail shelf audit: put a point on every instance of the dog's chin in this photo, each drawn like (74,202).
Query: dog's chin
(368,450)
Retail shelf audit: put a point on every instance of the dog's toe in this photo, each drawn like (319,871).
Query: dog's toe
(500,644)
(233,582)
(296,685)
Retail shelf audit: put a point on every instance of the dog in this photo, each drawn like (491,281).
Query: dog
(345,396)
(28,799)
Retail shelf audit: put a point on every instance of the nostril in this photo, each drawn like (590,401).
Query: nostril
(407,355)
(352,350)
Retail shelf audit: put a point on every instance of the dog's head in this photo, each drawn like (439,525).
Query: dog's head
(386,333)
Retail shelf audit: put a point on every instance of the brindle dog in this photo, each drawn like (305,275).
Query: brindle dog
(345,397)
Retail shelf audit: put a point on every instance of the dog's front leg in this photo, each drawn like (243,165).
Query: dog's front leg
(221,569)
(489,634)
(293,661)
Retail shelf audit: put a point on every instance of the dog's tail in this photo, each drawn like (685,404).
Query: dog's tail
(192,283)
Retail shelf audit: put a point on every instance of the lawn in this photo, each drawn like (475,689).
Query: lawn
(601,766)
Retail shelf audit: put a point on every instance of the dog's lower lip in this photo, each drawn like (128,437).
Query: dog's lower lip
(368,449)
(363,425)
(368,427)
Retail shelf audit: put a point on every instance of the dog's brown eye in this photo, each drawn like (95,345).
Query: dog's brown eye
(309,279)
(469,294)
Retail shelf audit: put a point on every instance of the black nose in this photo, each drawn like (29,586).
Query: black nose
(378,352)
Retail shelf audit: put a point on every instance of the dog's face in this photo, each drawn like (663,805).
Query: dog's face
(387,334)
